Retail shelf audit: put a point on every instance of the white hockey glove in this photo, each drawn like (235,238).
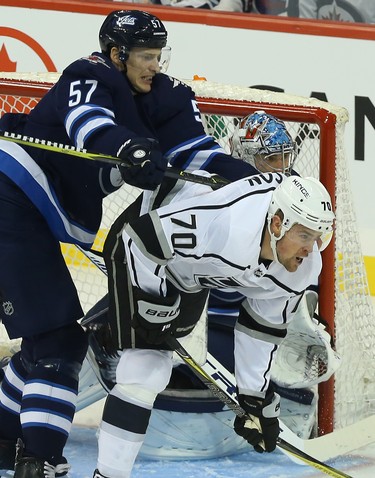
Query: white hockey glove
(260,427)
(155,317)
(149,164)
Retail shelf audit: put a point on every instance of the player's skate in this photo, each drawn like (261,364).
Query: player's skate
(31,467)
(97,474)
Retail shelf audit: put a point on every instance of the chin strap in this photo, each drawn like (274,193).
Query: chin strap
(274,239)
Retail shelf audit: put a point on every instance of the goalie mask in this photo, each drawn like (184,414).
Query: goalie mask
(127,29)
(263,141)
(302,201)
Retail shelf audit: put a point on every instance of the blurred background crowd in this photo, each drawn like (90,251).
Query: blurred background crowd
(336,10)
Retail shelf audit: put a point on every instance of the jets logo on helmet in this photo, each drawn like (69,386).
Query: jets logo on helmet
(127,29)
(126,20)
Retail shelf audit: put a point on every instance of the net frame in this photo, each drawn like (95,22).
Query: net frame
(343,284)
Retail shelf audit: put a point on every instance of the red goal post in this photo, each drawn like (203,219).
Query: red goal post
(318,128)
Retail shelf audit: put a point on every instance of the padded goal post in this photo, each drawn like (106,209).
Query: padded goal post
(344,300)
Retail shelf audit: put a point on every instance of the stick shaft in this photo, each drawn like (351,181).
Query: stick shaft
(309,460)
(239,411)
(215,182)
(225,397)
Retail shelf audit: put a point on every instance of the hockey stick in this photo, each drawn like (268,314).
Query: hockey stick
(233,405)
(327,447)
(215,182)
(213,371)
(212,366)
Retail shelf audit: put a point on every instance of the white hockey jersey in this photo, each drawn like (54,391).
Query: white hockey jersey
(212,239)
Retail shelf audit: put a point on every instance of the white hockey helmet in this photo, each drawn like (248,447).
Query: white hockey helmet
(302,201)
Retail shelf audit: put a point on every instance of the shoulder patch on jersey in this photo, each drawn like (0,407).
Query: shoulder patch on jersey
(176,82)
(95,60)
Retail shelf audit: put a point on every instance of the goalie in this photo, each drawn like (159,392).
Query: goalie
(165,262)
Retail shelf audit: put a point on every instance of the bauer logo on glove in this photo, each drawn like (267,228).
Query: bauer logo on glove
(155,317)
(162,312)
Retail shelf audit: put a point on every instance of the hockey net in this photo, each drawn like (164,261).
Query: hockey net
(344,300)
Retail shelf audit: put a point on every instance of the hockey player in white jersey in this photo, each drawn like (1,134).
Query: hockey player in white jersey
(176,427)
(161,267)
(185,411)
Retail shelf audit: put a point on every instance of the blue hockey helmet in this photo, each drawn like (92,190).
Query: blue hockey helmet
(127,29)
(261,134)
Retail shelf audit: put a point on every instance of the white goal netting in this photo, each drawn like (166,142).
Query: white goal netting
(344,300)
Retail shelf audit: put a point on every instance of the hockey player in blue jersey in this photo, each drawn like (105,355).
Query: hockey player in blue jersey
(117,102)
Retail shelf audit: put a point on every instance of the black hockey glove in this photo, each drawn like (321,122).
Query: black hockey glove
(155,317)
(260,427)
(148,163)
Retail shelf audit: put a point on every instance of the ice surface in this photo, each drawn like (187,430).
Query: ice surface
(82,448)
